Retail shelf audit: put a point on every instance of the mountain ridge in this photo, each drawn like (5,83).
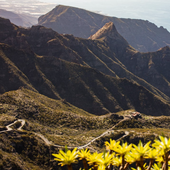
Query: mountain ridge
(95,95)
(142,35)
(105,56)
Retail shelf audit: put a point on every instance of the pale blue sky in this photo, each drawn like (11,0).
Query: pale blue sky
(156,11)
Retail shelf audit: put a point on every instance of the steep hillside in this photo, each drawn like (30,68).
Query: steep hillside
(23,151)
(142,35)
(80,85)
(23,20)
(101,55)
(11,77)
(152,67)
(49,125)
(37,108)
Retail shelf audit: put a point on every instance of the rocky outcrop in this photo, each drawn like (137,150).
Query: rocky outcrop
(108,30)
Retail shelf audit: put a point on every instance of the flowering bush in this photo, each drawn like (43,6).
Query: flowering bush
(121,155)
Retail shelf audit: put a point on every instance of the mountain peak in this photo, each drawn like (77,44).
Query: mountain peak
(108,30)
(166,48)
(115,41)
(109,33)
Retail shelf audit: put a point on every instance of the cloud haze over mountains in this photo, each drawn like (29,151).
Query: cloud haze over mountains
(33,7)
(154,11)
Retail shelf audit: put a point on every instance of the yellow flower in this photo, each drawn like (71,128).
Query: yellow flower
(132,157)
(101,167)
(152,154)
(112,145)
(137,153)
(163,144)
(93,159)
(156,167)
(123,149)
(66,158)
(83,154)
(159,159)
(141,150)
(106,159)
(117,161)
(139,168)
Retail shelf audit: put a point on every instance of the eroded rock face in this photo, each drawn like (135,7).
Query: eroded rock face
(108,30)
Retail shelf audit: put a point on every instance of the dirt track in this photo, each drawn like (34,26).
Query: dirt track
(47,142)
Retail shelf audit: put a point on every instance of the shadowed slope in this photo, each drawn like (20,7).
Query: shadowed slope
(80,85)
(104,55)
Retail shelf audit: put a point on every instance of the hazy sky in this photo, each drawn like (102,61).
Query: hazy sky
(156,11)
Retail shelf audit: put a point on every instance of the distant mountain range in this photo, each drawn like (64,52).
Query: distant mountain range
(25,13)
(23,20)
(142,35)
(35,8)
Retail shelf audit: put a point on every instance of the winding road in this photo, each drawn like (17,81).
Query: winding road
(49,143)
(8,127)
